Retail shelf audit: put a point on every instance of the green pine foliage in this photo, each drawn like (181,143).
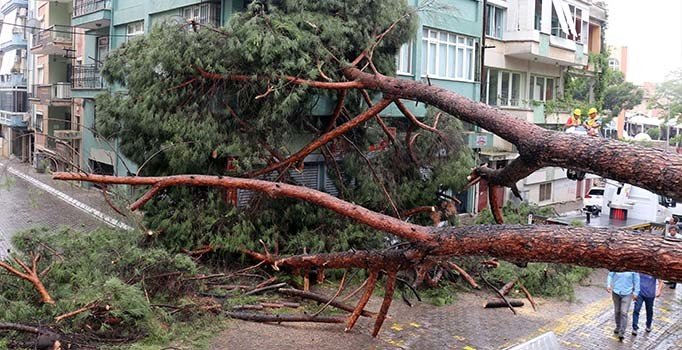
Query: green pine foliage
(194,126)
(111,267)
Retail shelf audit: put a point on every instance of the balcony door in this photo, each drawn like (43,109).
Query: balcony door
(102,49)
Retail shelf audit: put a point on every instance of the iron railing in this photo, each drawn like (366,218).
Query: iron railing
(54,34)
(87,77)
(84,7)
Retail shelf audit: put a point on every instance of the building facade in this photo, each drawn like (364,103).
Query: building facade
(56,140)
(15,140)
(530,46)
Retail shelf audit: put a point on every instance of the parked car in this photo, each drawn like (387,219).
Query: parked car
(593,200)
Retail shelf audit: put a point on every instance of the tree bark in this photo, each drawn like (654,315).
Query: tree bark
(649,168)
(611,248)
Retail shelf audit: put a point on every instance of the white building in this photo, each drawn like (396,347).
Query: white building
(530,45)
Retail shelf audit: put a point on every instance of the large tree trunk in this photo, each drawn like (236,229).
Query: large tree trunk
(653,169)
(614,249)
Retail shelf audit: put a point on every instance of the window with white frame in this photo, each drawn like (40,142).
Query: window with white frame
(404,59)
(504,88)
(448,55)
(206,13)
(614,64)
(134,29)
(569,21)
(541,88)
(581,26)
(545,192)
(495,25)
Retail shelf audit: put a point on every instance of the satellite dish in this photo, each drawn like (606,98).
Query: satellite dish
(32,25)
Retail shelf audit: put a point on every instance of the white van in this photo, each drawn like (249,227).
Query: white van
(640,204)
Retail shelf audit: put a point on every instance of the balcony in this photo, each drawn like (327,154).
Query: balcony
(67,135)
(12,5)
(13,81)
(58,94)
(18,41)
(86,80)
(14,119)
(56,39)
(91,14)
(543,48)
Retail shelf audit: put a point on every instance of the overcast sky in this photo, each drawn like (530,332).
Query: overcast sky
(652,31)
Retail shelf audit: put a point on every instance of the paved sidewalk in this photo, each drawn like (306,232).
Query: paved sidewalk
(29,200)
(592,327)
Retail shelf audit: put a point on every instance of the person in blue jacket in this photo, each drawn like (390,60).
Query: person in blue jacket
(624,288)
(649,289)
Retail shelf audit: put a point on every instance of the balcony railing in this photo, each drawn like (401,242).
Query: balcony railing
(52,40)
(67,134)
(84,7)
(52,93)
(87,77)
(14,119)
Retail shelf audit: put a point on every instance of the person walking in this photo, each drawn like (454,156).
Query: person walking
(624,288)
(649,290)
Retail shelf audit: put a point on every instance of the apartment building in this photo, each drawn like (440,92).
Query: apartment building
(56,136)
(531,45)
(446,51)
(15,140)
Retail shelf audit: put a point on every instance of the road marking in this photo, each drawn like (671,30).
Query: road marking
(70,200)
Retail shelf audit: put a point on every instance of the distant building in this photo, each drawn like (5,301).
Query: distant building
(618,59)
(15,139)
(530,46)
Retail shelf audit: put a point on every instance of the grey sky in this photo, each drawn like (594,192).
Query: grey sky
(652,31)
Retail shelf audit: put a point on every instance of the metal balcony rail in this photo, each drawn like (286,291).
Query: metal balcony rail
(53,34)
(84,7)
(87,77)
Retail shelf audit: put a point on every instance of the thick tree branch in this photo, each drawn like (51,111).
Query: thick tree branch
(294,80)
(322,140)
(375,220)
(30,274)
(653,169)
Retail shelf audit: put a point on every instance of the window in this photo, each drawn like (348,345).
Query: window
(567,22)
(545,192)
(39,122)
(541,88)
(404,59)
(495,16)
(134,29)
(206,14)
(504,88)
(614,64)
(580,26)
(538,15)
(40,74)
(448,55)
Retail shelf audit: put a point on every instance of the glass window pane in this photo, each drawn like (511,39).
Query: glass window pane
(452,61)
(425,60)
(504,89)
(442,59)
(549,92)
(469,67)
(459,73)
(451,38)
(492,87)
(432,58)
(443,36)
(515,89)
(433,34)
